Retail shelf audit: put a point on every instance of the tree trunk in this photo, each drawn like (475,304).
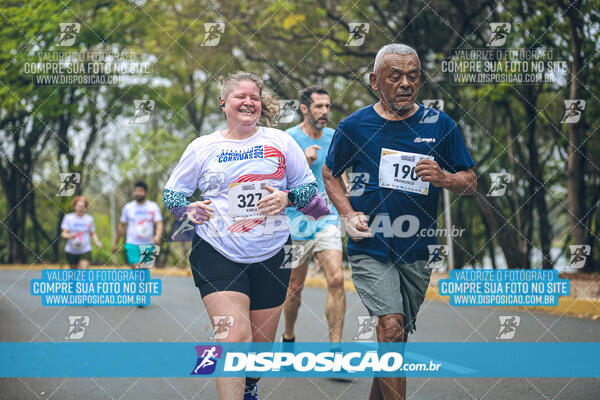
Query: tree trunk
(499,227)
(536,179)
(16,188)
(575,165)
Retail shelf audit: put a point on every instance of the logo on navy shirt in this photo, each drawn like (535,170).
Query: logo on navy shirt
(424,140)
(207,359)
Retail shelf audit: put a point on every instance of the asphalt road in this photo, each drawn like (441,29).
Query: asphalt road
(178,315)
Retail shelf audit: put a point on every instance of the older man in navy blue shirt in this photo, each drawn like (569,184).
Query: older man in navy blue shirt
(409,152)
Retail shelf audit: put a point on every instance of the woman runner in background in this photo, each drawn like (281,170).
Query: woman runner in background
(77,227)
(237,256)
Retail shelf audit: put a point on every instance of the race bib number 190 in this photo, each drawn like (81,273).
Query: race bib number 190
(397,171)
(243,198)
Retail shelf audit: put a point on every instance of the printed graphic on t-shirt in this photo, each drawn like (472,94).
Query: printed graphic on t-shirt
(81,227)
(140,220)
(145,226)
(243,197)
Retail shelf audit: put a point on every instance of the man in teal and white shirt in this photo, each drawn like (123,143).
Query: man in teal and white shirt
(320,238)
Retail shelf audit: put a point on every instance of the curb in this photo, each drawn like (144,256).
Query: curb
(570,306)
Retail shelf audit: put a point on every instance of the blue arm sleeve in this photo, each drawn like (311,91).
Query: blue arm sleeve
(175,202)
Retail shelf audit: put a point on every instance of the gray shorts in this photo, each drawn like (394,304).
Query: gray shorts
(390,288)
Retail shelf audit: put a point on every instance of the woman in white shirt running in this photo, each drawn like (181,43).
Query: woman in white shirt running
(77,227)
(239,258)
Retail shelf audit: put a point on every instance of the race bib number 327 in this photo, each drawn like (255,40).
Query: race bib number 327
(243,198)
(397,171)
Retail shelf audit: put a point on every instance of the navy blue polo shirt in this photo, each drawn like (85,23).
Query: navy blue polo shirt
(357,143)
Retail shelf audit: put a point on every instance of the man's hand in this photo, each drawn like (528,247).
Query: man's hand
(311,153)
(430,171)
(273,204)
(357,226)
(156,240)
(115,248)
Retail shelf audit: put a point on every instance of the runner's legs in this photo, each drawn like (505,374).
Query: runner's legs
(237,305)
(84,263)
(294,298)
(335,305)
(264,323)
(390,328)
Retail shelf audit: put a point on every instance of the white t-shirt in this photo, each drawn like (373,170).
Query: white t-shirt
(230,174)
(82,226)
(140,219)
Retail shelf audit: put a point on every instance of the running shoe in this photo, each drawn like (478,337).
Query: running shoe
(252,393)
(284,340)
(342,377)
(288,345)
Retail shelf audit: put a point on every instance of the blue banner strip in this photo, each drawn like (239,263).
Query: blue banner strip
(310,359)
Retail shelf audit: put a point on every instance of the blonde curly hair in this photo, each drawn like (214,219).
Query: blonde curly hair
(269,105)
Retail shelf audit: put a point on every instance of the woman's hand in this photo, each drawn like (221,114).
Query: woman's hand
(66,235)
(273,204)
(199,212)
(97,241)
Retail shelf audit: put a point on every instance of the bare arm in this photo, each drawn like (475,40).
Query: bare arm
(462,182)
(356,222)
(97,241)
(336,191)
(346,182)
(459,183)
(121,228)
(66,235)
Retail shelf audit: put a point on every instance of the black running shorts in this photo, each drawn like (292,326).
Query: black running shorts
(73,259)
(265,283)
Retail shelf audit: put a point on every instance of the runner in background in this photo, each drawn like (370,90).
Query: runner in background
(77,227)
(321,239)
(142,221)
